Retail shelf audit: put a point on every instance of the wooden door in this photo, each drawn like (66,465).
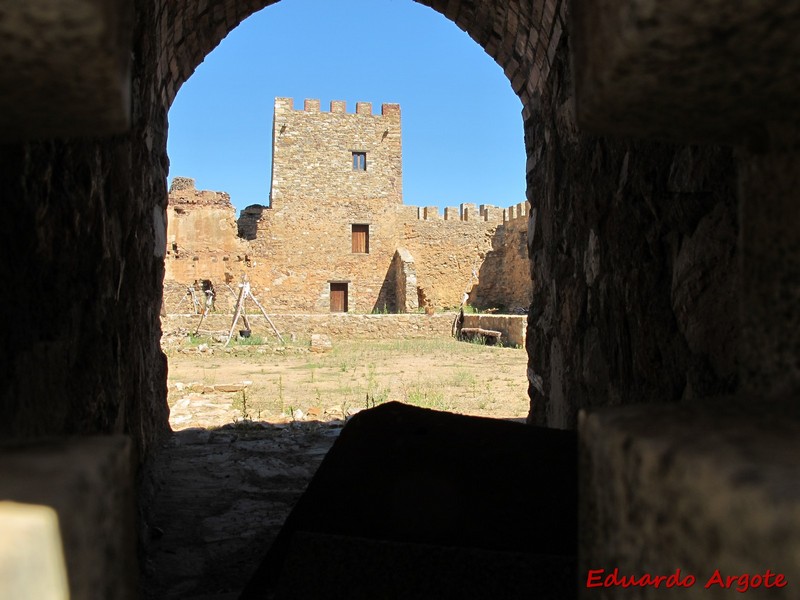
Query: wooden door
(338,297)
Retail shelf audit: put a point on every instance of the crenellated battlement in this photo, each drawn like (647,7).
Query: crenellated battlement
(336,218)
(312,105)
(467,212)
(517,211)
(326,156)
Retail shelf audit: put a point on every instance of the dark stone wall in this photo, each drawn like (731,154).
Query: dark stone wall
(82,237)
(632,254)
(633,265)
(520,35)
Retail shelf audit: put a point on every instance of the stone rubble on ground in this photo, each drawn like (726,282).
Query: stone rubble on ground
(321,342)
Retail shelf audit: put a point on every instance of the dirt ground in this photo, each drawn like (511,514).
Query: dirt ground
(210,385)
(253,422)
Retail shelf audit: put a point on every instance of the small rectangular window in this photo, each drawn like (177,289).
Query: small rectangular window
(359,161)
(360,238)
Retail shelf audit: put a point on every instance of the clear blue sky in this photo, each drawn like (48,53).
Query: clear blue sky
(462,123)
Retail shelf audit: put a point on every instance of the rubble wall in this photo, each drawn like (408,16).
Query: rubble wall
(634,267)
(202,228)
(445,254)
(504,281)
(338,326)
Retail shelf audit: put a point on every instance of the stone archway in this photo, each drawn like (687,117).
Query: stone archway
(592,296)
(521,36)
(634,245)
(597,324)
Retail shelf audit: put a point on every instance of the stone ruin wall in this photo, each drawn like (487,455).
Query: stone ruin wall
(293,250)
(451,254)
(202,242)
(504,276)
(296,249)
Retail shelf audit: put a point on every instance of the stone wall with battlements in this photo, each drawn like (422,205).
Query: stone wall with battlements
(312,154)
(505,281)
(336,219)
(291,254)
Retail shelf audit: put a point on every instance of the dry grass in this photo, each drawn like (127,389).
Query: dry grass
(443,374)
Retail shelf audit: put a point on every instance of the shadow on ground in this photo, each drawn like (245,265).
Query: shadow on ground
(219,498)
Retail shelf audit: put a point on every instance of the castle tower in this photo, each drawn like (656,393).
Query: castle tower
(335,156)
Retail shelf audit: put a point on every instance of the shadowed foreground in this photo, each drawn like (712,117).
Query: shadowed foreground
(217,494)
(412,503)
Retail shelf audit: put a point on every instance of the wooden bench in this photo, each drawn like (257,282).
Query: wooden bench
(472,332)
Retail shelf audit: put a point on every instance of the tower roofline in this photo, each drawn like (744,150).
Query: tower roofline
(312,105)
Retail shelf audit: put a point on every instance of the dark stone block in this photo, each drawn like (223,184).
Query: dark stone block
(422,495)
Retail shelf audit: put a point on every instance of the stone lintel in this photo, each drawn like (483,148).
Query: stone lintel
(695,488)
(684,70)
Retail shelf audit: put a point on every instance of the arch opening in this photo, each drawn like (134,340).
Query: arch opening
(361,376)
(298,252)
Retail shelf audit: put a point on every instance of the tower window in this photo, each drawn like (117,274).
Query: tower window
(359,161)
(360,239)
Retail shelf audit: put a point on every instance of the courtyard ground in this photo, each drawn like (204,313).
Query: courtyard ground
(252,424)
(210,385)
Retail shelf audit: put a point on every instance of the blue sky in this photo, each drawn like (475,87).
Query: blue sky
(462,123)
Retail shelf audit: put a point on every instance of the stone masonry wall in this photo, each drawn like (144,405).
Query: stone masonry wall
(296,249)
(312,154)
(317,196)
(297,253)
(633,263)
(82,239)
(446,253)
(337,325)
(504,280)
(202,240)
